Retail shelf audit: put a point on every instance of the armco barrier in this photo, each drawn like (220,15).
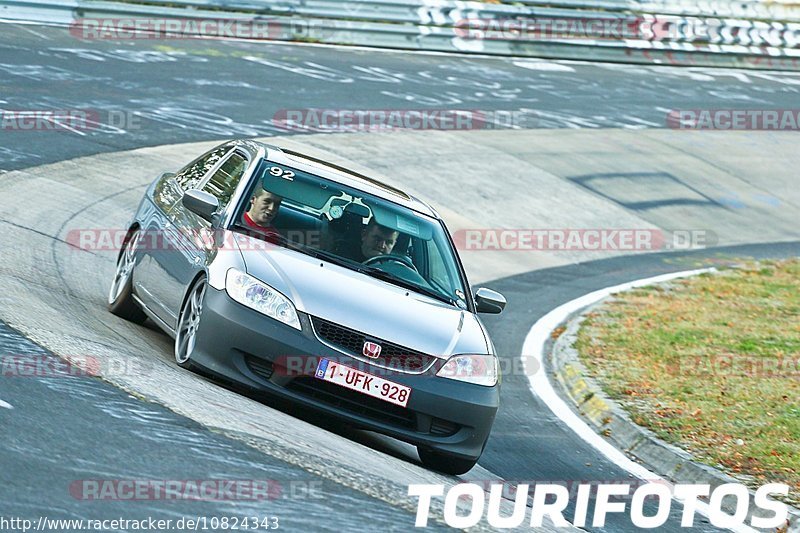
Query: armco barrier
(787,11)
(666,33)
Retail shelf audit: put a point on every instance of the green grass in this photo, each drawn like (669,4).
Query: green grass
(712,364)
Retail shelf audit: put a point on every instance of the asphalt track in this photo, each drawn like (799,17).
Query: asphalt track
(189,90)
(167,85)
(66,429)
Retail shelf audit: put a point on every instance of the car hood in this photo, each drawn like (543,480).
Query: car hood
(362,303)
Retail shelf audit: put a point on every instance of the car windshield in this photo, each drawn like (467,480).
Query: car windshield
(351,228)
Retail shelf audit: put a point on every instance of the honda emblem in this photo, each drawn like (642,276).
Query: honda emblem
(371,350)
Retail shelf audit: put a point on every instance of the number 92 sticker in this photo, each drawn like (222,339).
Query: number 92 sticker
(279,172)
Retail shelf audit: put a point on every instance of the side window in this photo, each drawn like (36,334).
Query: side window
(224,181)
(191,175)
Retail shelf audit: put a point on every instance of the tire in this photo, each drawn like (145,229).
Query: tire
(120,295)
(188,322)
(447,464)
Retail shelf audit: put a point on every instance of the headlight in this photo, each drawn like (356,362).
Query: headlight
(478,369)
(259,296)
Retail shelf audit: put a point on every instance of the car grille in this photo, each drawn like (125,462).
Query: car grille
(392,356)
(354,402)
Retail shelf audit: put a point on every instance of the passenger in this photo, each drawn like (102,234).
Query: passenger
(264,206)
(376,240)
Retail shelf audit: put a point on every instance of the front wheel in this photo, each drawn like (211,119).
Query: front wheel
(444,463)
(120,295)
(188,322)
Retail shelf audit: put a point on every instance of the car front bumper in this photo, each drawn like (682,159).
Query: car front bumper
(250,349)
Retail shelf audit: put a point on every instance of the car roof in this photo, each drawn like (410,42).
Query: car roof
(339,174)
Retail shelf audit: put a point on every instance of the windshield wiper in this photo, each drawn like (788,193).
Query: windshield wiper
(397,280)
(332,257)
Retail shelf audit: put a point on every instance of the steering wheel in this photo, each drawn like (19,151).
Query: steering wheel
(386,258)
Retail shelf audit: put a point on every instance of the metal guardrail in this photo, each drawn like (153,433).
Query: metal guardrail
(423,11)
(713,31)
(748,9)
(446,25)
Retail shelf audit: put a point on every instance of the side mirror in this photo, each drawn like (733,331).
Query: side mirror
(489,301)
(201,203)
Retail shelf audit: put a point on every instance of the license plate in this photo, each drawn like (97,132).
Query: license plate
(362,382)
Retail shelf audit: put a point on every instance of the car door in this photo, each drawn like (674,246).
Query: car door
(192,237)
(151,279)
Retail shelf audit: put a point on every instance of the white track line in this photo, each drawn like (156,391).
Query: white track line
(540,385)
(442,53)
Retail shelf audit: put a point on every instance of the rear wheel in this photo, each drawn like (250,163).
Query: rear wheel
(188,322)
(445,463)
(120,295)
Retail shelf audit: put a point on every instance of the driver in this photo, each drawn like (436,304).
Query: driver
(376,240)
(264,206)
